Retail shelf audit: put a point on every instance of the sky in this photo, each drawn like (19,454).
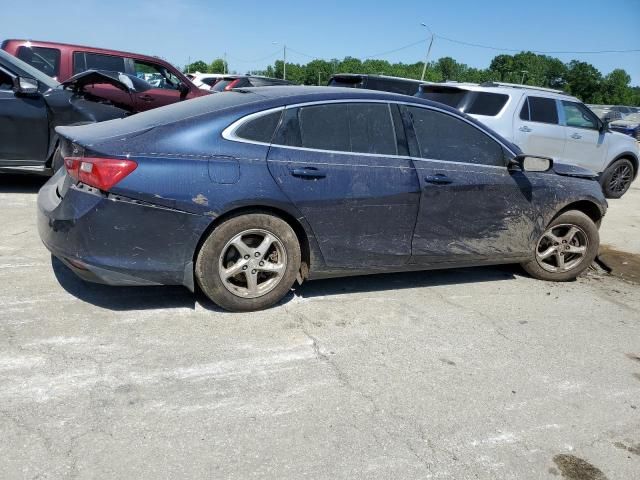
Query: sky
(188,30)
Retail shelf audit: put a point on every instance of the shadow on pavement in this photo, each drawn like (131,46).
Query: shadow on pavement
(10,183)
(128,298)
(143,298)
(397,281)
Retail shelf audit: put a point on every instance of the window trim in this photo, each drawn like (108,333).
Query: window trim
(229,132)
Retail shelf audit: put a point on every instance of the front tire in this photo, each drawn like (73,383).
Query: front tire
(248,262)
(566,249)
(617,178)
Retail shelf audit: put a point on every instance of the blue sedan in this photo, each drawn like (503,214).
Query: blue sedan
(244,193)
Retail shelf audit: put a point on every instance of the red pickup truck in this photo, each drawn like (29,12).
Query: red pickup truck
(61,61)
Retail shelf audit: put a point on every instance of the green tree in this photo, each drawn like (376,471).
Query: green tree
(197,66)
(218,66)
(584,81)
(615,88)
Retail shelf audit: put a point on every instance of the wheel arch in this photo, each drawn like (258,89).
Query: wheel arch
(294,223)
(589,208)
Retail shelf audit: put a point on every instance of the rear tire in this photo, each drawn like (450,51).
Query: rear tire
(617,178)
(248,262)
(566,249)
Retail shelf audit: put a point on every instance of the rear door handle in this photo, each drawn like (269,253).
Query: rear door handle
(438,179)
(147,98)
(308,172)
(525,129)
(576,136)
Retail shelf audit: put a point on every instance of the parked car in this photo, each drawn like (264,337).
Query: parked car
(629,125)
(547,122)
(32,105)
(204,80)
(253,189)
(229,82)
(405,86)
(605,114)
(62,61)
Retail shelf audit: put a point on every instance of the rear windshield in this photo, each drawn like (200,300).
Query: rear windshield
(349,82)
(47,60)
(210,81)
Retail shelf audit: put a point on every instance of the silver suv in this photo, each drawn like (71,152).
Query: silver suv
(546,122)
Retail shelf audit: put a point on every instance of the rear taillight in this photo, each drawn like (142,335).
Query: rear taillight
(102,173)
(232,84)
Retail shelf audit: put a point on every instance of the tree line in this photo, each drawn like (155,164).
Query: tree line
(578,78)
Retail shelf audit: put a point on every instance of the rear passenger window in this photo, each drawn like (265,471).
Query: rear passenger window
(260,129)
(47,60)
(541,110)
(344,127)
(325,127)
(95,61)
(488,104)
(445,137)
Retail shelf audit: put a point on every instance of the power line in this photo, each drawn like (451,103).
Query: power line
(271,55)
(543,52)
(382,54)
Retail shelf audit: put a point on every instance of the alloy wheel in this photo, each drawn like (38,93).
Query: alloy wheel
(620,179)
(252,263)
(562,248)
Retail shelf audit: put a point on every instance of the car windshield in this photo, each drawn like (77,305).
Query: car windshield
(29,70)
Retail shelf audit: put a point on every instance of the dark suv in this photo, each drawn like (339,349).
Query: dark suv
(405,86)
(62,61)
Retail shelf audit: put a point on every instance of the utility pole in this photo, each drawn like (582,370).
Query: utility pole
(426,60)
(224,64)
(524,72)
(189,65)
(284,59)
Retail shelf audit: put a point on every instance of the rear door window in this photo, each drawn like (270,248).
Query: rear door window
(83,61)
(343,127)
(444,137)
(47,60)
(540,109)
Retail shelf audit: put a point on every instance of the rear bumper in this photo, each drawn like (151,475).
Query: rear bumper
(117,241)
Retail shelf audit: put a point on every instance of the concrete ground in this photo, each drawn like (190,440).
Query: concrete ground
(465,374)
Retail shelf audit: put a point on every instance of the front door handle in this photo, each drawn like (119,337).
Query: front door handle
(147,98)
(577,136)
(308,172)
(525,129)
(438,179)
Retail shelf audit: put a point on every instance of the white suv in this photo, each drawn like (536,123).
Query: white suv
(546,122)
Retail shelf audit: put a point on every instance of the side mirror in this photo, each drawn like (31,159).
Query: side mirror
(184,89)
(532,163)
(25,86)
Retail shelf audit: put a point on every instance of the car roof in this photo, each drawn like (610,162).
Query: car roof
(367,75)
(249,100)
(504,88)
(50,44)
